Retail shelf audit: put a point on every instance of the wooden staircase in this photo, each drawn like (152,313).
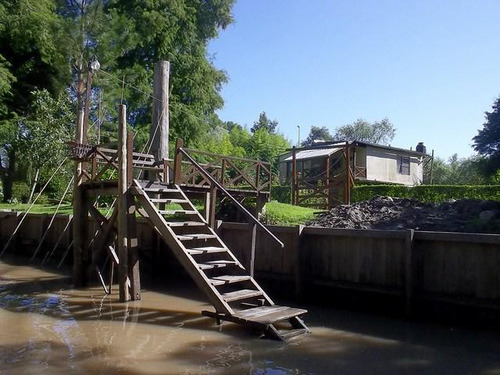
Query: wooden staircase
(235,295)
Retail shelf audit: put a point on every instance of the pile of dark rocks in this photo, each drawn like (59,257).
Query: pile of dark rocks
(466,215)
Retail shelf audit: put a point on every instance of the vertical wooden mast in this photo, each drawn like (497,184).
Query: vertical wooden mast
(158,134)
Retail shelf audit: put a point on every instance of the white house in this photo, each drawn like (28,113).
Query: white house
(323,168)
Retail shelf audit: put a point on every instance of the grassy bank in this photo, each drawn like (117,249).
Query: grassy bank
(275,213)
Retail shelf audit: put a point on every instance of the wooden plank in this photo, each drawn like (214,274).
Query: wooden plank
(197,236)
(185,224)
(269,314)
(408,270)
(260,311)
(217,264)
(242,294)
(173,212)
(229,279)
(209,249)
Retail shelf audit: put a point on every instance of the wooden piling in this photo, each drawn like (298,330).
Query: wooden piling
(128,270)
(160,123)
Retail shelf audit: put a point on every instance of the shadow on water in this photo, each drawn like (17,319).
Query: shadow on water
(91,333)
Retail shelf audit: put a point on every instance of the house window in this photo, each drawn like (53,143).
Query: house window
(404,165)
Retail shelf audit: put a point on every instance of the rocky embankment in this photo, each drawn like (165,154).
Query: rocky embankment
(467,215)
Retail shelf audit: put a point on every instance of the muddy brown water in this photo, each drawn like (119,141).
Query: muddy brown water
(46,327)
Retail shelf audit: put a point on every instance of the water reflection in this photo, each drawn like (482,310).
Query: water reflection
(47,327)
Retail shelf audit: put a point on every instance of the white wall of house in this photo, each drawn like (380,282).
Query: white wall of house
(385,166)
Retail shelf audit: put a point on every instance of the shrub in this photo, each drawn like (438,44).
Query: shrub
(20,192)
(427,193)
(282,194)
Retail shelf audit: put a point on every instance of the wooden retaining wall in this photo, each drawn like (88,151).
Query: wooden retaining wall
(450,267)
(411,265)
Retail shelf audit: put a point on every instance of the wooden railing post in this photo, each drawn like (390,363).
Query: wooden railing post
(347,192)
(257,177)
(294,176)
(130,157)
(223,172)
(329,198)
(178,162)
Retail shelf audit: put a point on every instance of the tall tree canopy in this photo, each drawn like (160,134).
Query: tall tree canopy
(47,45)
(487,140)
(264,123)
(380,132)
(317,134)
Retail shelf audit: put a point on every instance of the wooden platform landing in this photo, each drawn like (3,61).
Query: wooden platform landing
(266,318)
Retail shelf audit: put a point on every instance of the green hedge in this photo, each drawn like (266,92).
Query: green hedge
(427,193)
(282,194)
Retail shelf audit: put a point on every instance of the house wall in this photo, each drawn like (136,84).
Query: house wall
(382,165)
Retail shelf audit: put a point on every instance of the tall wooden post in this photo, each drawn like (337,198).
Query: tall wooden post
(178,162)
(128,270)
(294,177)
(80,258)
(347,192)
(329,198)
(158,134)
(132,241)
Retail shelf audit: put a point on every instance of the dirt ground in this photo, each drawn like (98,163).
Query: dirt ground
(467,215)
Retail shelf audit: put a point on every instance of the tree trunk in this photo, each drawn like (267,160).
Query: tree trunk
(7,175)
(35,182)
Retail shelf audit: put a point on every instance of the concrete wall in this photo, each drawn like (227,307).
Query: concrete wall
(382,165)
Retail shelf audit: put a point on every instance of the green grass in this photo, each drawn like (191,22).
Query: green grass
(285,214)
(275,213)
(37,208)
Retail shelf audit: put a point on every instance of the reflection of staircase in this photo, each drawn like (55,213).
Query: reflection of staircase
(235,295)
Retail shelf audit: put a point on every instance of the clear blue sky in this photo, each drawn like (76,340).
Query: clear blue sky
(432,67)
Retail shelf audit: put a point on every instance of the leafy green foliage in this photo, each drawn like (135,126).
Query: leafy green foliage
(380,132)
(282,194)
(264,123)
(487,141)
(458,171)
(317,134)
(427,193)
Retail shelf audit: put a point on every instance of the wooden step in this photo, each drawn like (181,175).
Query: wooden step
(196,236)
(269,314)
(228,279)
(207,250)
(168,200)
(216,264)
(242,294)
(287,334)
(160,190)
(157,187)
(173,212)
(186,224)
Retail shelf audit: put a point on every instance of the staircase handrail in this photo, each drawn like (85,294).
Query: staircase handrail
(209,177)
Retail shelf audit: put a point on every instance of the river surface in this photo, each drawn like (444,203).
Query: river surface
(46,327)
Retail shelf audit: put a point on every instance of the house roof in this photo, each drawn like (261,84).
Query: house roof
(316,152)
(327,149)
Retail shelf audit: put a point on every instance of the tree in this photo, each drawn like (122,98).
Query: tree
(47,44)
(177,31)
(266,146)
(317,134)
(487,140)
(457,171)
(380,132)
(264,123)
(32,58)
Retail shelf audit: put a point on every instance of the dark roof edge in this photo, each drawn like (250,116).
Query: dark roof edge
(325,145)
